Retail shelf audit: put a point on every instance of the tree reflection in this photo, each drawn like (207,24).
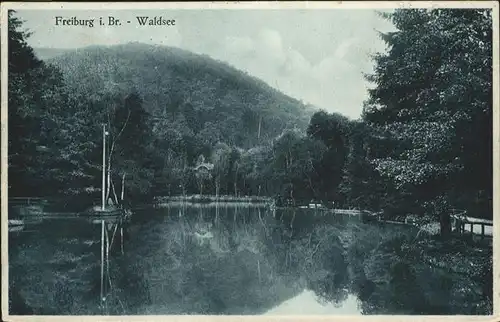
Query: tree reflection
(247,264)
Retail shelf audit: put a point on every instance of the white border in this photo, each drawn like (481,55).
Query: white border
(244,6)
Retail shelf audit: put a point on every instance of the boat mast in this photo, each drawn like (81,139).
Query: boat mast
(103,166)
(103,207)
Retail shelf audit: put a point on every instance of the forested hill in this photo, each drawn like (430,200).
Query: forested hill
(209,97)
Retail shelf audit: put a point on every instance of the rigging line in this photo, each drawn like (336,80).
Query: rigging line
(263,224)
(114,232)
(102,260)
(107,262)
(111,292)
(121,236)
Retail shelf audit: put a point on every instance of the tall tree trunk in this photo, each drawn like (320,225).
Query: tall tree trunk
(113,148)
(236,180)
(258,133)
(445,224)
(114,194)
(108,180)
(123,188)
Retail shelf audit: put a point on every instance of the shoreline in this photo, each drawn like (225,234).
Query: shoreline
(37,208)
(211,198)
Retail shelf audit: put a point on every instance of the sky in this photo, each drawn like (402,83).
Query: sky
(317,56)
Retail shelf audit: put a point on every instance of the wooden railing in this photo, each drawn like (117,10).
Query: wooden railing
(461,220)
(28,201)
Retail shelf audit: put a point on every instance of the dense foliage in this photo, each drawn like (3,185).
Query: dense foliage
(433,102)
(164,110)
(34,94)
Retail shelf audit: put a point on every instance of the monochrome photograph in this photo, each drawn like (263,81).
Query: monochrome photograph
(216,159)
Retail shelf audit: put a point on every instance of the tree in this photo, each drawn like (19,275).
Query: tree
(254,171)
(283,159)
(293,166)
(433,99)
(35,96)
(203,172)
(131,149)
(221,157)
(332,130)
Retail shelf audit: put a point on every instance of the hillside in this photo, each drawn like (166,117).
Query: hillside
(179,87)
(49,53)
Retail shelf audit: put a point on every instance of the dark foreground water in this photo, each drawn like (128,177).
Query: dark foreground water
(241,259)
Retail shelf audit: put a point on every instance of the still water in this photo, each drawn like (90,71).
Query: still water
(211,259)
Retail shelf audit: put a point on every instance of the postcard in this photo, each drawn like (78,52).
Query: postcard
(271,161)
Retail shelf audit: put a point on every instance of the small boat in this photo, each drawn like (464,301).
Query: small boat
(16,222)
(109,214)
(106,211)
(16,225)
(97,215)
(98,211)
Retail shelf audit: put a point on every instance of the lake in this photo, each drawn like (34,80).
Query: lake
(241,259)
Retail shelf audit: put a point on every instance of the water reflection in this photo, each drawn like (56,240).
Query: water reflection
(227,260)
(307,303)
(221,259)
